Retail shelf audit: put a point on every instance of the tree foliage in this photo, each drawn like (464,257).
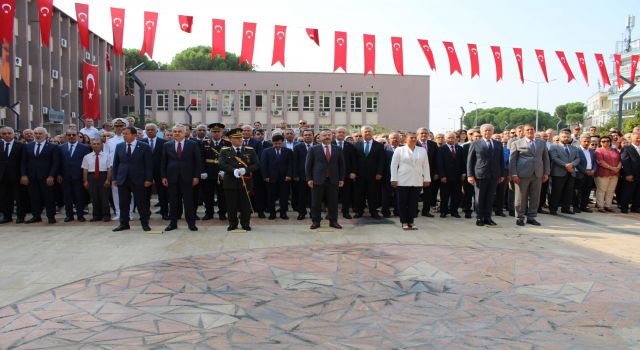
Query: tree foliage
(572,113)
(628,123)
(199,58)
(503,117)
(132,58)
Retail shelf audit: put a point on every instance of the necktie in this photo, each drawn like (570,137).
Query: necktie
(71,151)
(533,147)
(38,150)
(246,142)
(366,149)
(96,172)
(6,149)
(340,145)
(566,150)
(179,150)
(278,153)
(151,144)
(238,152)
(307,147)
(128,150)
(453,151)
(327,153)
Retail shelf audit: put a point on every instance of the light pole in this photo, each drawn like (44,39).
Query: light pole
(538,96)
(476,104)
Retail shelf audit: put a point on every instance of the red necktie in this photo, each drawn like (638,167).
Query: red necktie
(327,153)
(453,151)
(96,173)
(179,150)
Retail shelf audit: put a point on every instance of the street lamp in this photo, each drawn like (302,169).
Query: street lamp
(476,104)
(538,96)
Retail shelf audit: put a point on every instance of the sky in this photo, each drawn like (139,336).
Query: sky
(587,26)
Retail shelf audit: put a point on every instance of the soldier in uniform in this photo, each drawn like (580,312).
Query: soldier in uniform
(211,180)
(238,162)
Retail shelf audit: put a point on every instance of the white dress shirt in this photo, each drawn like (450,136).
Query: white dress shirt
(587,155)
(89,162)
(410,168)
(110,145)
(152,143)
(180,143)
(10,147)
(35,148)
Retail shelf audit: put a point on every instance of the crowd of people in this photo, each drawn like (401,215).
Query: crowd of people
(234,173)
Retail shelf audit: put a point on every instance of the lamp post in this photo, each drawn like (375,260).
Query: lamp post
(538,96)
(476,104)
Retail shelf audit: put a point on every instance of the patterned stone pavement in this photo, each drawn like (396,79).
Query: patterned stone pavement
(354,296)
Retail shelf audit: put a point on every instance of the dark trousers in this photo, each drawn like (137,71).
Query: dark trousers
(260,195)
(42,196)
(237,201)
(467,199)
(325,191)
(407,203)
(427,199)
(99,195)
(12,192)
(141,197)
(278,189)
(435,188)
(211,191)
(544,190)
(485,192)
(562,192)
(163,196)
(388,198)
(368,190)
(346,195)
(195,198)
(73,194)
(182,192)
(630,194)
(303,196)
(582,190)
(450,194)
(501,193)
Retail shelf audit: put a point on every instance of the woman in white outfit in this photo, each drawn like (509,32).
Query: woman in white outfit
(409,174)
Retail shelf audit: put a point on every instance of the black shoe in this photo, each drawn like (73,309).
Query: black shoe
(284,217)
(146,228)
(520,222)
(569,211)
(533,222)
(106,219)
(314,225)
(51,220)
(20,221)
(386,215)
(121,228)
(456,215)
(335,225)
(272,216)
(261,215)
(68,219)
(479,222)
(166,217)
(207,217)
(81,219)
(5,221)
(357,215)
(501,214)
(159,211)
(95,219)
(193,228)
(347,216)
(624,211)
(635,211)
(427,214)
(171,227)
(512,213)
(443,215)
(542,211)
(553,212)
(246,227)
(301,216)
(223,216)
(587,210)
(467,215)
(232,227)
(490,222)
(33,220)
(376,216)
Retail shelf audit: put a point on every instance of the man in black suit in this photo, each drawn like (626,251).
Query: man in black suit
(11,154)
(451,170)
(630,158)
(210,179)
(259,198)
(468,189)
(429,193)
(40,166)
(345,193)
(324,171)
(371,169)
(71,155)
(299,176)
(133,173)
(484,171)
(389,198)
(276,164)
(180,168)
(258,135)
(157,144)
(584,175)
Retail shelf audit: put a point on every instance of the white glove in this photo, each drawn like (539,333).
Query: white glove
(236,173)
(221,173)
(242,171)
(204,176)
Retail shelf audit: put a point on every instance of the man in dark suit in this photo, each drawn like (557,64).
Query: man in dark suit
(564,160)
(11,154)
(156,144)
(210,179)
(469,190)
(630,158)
(370,156)
(389,198)
(350,170)
(133,173)
(451,170)
(276,165)
(484,171)
(584,175)
(299,158)
(40,166)
(180,168)
(258,135)
(259,198)
(71,155)
(324,171)
(429,193)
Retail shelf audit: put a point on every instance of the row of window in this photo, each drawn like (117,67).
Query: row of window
(182,98)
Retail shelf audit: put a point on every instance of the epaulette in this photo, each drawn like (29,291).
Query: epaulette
(248,147)
(225,147)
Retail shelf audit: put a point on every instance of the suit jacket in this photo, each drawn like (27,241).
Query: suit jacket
(10,167)
(350,161)
(228,163)
(559,158)
(299,160)
(44,165)
(276,168)
(266,144)
(256,145)
(630,162)
(482,162)
(373,164)
(432,153)
(318,168)
(523,163)
(410,168)
(449,166)
(71,166)
(184,169)
(581,169)
(210,156)
(138,168)
(156,155)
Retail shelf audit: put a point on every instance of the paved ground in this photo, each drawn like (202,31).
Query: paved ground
(573,282)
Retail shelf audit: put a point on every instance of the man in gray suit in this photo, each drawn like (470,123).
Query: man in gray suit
(529,168)
(564,160)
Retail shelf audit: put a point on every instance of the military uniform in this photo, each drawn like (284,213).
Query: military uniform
(212,185)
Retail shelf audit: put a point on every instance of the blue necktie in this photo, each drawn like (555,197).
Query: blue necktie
(566,150)
(6,149)
(71,151)
(38,150)
(366,149)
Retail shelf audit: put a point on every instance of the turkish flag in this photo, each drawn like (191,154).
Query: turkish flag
(617,58)
(518,52)
(313,35)
(543,63)
(583,66)
(475,62)
(150,24)
(398,56)
(279,39)
(248,42)
(217,45)
(7,14)
(634,66)
(45,9)
(565,64)
(340,51)
(369,53)
(185,23)
(497,58)
(82,15)
(90,92)
(424,45)
(603,69)
(454,64)
(117,25)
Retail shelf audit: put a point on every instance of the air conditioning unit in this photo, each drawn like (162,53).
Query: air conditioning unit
(30,108)
(73,114)
(87,55)
(226,112)
(79,84)
(324,114)
(45,110)
(63,43)
(18,61)
(55,74)
(276,112)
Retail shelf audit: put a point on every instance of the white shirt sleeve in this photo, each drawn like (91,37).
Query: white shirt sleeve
(85,161)
(395,161)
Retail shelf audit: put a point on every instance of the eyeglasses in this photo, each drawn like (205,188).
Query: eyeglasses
(605,141)
(72,135)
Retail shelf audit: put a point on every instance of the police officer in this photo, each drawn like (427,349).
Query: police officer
(238,162)
(211,180)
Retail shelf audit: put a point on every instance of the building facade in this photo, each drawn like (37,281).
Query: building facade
(631,99)
(233,97)
(598,109)
(47,82)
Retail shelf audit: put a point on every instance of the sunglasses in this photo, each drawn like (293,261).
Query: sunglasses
(605,141)
(72,134)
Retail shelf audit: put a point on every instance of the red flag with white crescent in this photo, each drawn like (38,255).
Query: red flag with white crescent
(279,40)
(369,53)
(82,16)
(340,51)
(454,64)
(217,44)
(428,54)
(497,58)
(565,65)
(518,53)
(117,25)
(150,25)
(475,62)
(634,66)
(7,14)
(186,22)
(583,66)
(90,92)
(543,63)
(45,10)
(313,35)
(602,66)
(248,42)
(398,55)
(617,58)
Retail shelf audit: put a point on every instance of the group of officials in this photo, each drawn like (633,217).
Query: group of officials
(241,173)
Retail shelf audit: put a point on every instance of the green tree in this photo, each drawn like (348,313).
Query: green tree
(132,58)
(199,58)
(503,117)
(628,123)
(571,113)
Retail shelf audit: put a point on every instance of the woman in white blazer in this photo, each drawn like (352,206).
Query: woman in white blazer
(409,174)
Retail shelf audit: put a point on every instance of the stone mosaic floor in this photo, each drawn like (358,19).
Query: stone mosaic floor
(361,296)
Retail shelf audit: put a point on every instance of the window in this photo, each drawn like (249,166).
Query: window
(308,102)
(179,100)
(162,100)
(228,102)
(195,98)
(356,102)
(277,101)
(341,101)
(212,100)
(245,100)
(292,101)
(261,100)
(148,99)
(372,102)
(325,101)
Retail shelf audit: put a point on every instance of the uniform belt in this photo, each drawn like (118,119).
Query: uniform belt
(211,161)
